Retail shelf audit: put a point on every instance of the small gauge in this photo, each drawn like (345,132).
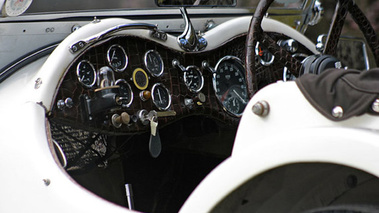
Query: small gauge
(140,79)
(125,97)
(265,57)
(234,105)
(86,73)
(154,63)
(230,85)
(15,7)
(117,58)
(193,79)
(161,96)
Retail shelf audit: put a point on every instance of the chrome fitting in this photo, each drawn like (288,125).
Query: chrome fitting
(261,108)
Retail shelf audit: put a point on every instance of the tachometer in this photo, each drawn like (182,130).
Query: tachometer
(86,73)
(117,58)
(193,79)
(161,96)
(154,63)
(230,85)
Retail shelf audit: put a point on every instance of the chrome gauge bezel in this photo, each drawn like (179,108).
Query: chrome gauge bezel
(154,98)
(123,81)
(188,83)
(93,72)
(214,80)
(147,63)
(124,55)
(261,60)
(15,8)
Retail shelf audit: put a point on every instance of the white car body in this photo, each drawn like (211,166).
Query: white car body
(293,132)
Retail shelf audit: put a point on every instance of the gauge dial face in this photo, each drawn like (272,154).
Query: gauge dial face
(265,57)
(86,73)
(193,79)
(140,79)
(16,7)
(125,95)
(117,58)
(161,96)
(154,63)
(230,85)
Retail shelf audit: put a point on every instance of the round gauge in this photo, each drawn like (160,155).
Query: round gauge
(193,79)
(230,84)
(234,105)
(125,97)
(140,79)
(153,63)
(161,96)
(117,58)
(15,7)
(86,73)
(265,57)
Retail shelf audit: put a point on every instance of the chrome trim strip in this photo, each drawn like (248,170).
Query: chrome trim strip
(82,43)
(19,62)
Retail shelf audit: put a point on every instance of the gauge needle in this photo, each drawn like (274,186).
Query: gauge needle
(113,55)
(238,95)
(260,51)
(159,95)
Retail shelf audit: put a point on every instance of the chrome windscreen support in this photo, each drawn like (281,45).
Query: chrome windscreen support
(188,40)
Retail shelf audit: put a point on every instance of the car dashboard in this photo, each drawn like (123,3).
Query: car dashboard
(117,95)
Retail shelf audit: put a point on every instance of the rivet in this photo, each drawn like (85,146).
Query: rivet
(375,106)
(337,112)
(47,181)
(261,108)
(38,83)
(69,103)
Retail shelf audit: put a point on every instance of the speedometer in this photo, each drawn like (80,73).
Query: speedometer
(230,84)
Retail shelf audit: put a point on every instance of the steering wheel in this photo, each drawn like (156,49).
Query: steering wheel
(256,34)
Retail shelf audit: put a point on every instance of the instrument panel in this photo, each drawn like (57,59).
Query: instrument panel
(138,79)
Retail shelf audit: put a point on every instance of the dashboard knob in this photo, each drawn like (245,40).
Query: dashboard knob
(118,120)
(67,103)
(145,95)
(125,118)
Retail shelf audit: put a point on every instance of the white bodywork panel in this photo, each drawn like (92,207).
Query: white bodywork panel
(31,179)
(292,132)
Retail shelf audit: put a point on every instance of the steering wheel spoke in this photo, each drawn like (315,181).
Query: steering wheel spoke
(256,34)
(336,27)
